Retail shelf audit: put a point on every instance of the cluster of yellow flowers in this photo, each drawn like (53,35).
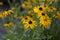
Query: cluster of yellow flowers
(41,12)
(35,10)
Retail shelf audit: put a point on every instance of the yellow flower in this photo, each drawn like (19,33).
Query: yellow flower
(1,16)
(26,4)
(10,11)
(39,9)
(51,9)
(8,24)
(1,3)
(45,21)
(31,12)
(46,6)
(5,13)
(41,14)
(23,5)
(28,22)
(25,19)
(31,16)
(57,15)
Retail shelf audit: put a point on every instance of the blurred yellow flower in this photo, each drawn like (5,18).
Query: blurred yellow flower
(23,5)
(10,11)
(45,21)
(51,9)
(26,4)
(31,16)
(41,14)
(30,12)
(1,16)
(39,9)
(1,3)
(46,6)
(8,24)
(57,15)
(28,22)
(25,19)
(5,13)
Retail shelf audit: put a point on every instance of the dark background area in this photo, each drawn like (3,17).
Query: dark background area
(6,5)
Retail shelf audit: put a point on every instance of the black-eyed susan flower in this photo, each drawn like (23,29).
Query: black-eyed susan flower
(39,9)
(26,4)
(41,14)
(57,15)
(46,6)
(5,13)
(28,22)
(10,11)
(45,21)
(8,24)
(31,16)
(25,19)
(51,9)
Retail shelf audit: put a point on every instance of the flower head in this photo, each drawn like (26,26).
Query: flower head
(28,22)
(57,15)
(51,9)
(45,21)
(39,9)
(8,24)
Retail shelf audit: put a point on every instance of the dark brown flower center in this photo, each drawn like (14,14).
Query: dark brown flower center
(56,15)
(30,22)
(40,8)
(43,14)
(31,16)
(8,22)
(51,8)
(44,5)
(26,18)
(45,20)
